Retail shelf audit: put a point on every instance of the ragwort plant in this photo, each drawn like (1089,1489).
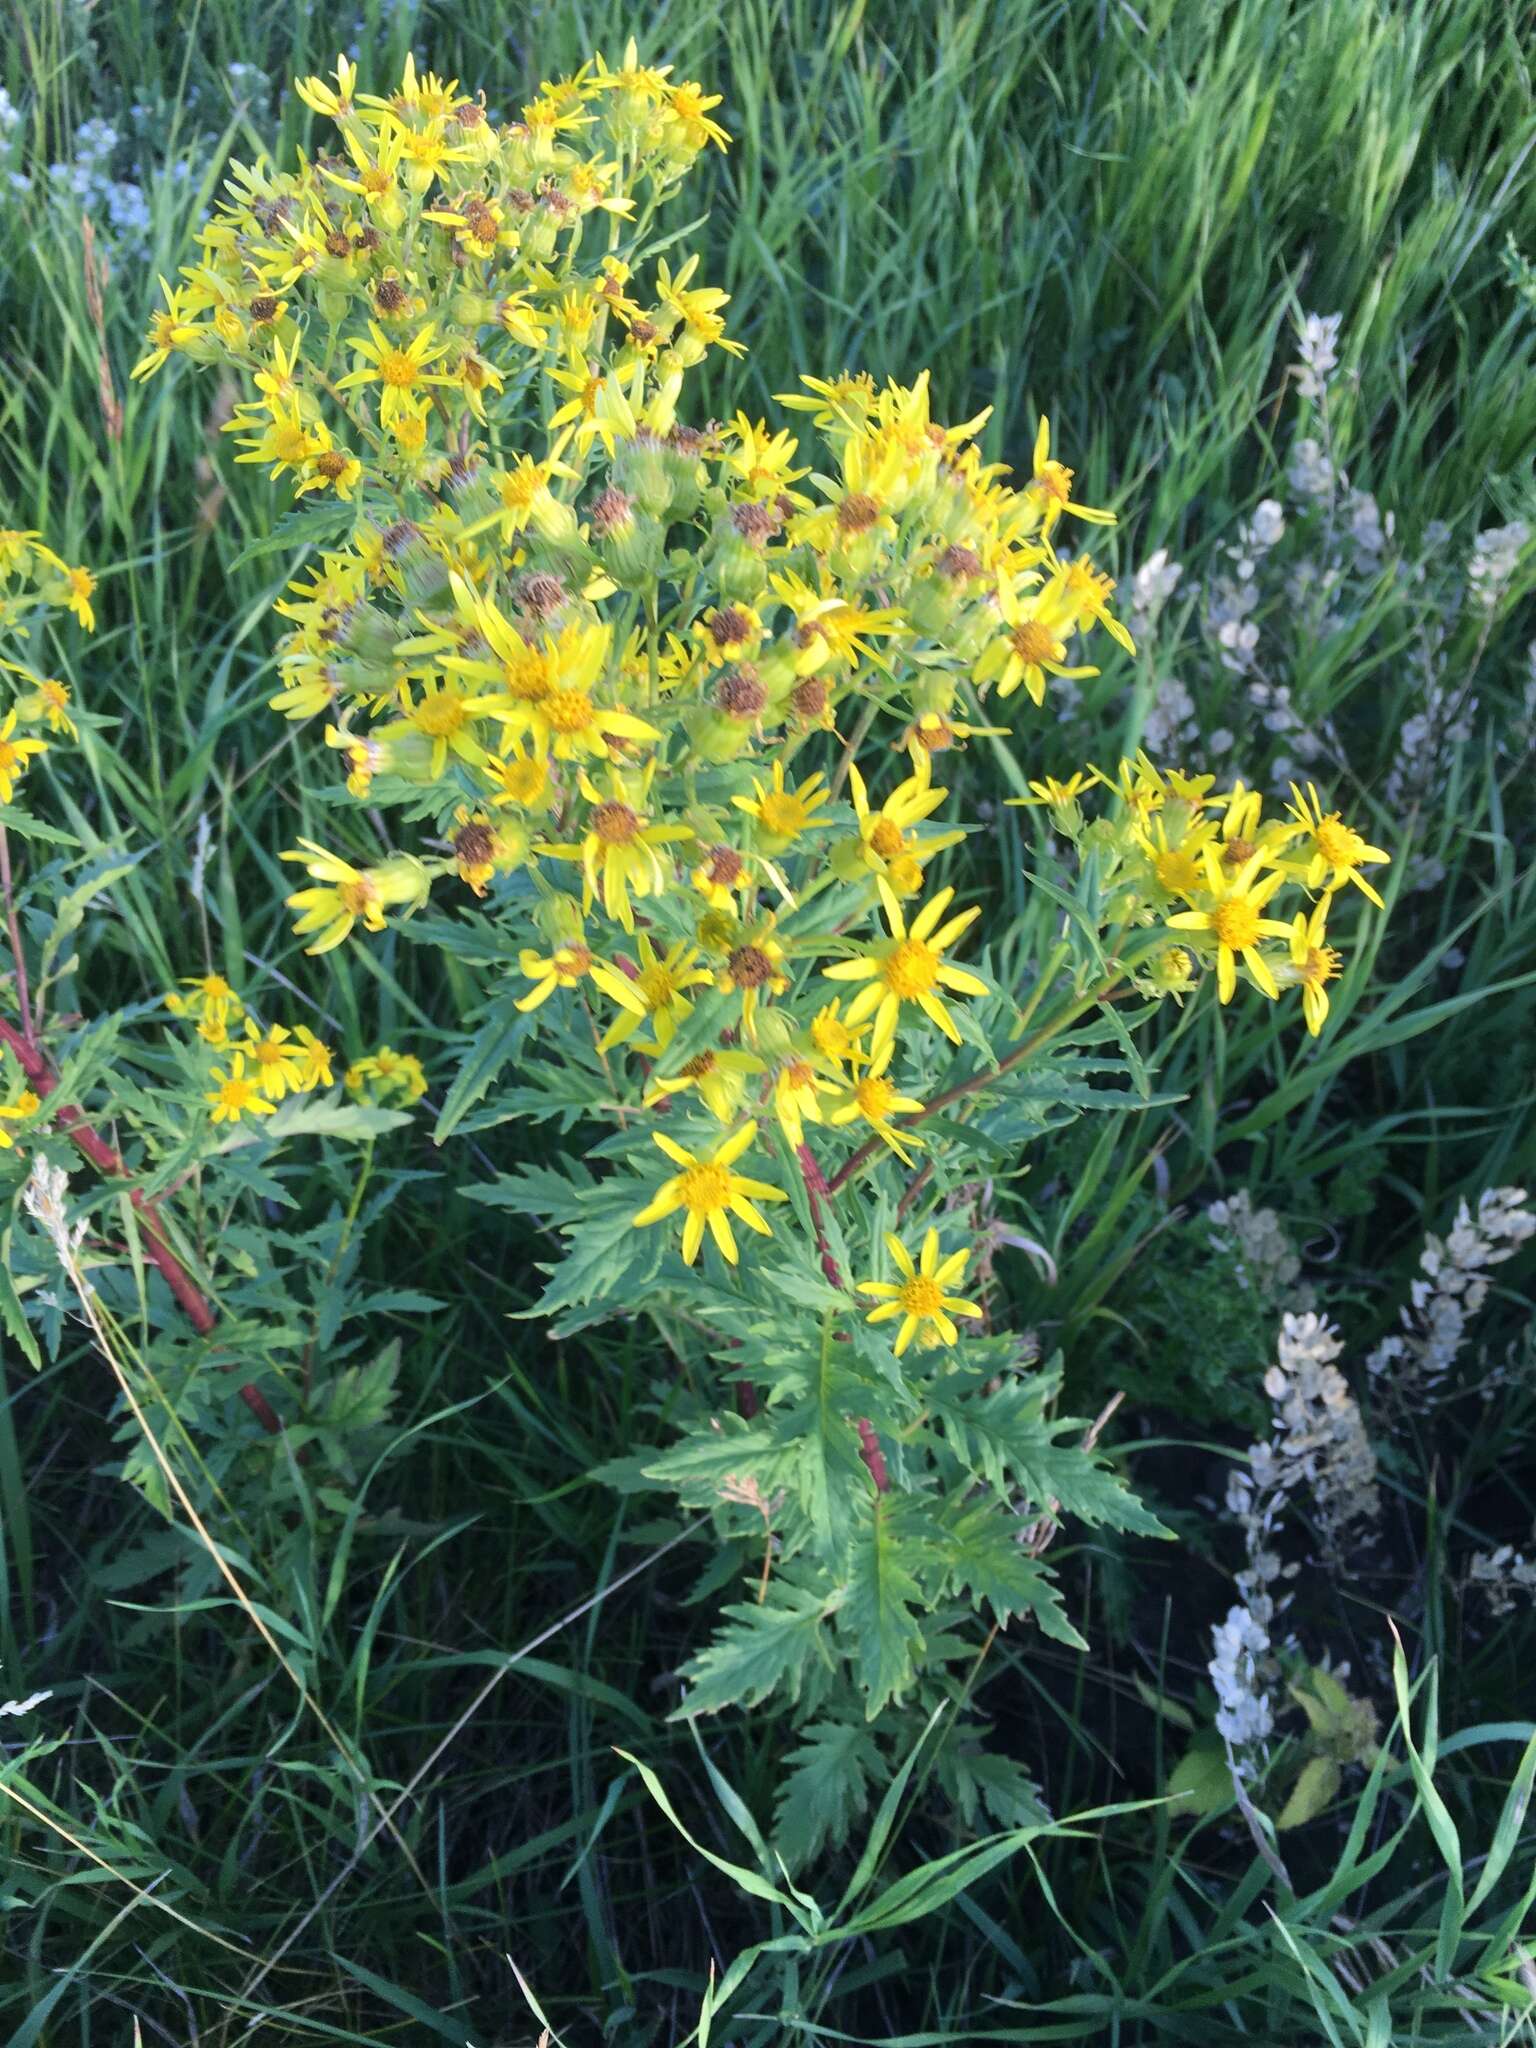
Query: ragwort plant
(646,722)
(193,1124)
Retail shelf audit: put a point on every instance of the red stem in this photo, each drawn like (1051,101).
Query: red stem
(109,1162)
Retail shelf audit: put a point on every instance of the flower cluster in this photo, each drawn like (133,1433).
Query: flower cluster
(622,666)
(34,583)
(1452,1288)
(261,1065)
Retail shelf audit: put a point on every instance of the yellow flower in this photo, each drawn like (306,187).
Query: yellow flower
(1177,863)
(48,703)
(446,716)
(235,1095)
(479,848)
(711,1194)
(16,756)
(1236,921)
(783,813)
(909,967)
(797,1093)
(284,440)
(874,1100)
(332,469)
(348,894)
(564,966)
(25,1103)
(565,721)
(1034,644)
(1050,488)
(657,996)
(278,1060)
(1336,851)
(1313,963)
(728,634)
(211,1002)
(398,370)
(919,1298)
(315,1060)
(720,875)
(621,850)
(338,104)
(169,330)
(719,1077)
(695,312)
(884,834)
(386,1073)
(830,1035)
(1086,593)
(1056,795)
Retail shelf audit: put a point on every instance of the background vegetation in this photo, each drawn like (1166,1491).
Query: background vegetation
(1115,214)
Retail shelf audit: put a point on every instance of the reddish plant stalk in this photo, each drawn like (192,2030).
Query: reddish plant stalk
(108,1161)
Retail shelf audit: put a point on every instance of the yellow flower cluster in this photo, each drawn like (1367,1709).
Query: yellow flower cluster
(34,581)
(261,1066)
(674,698)
(1210,864)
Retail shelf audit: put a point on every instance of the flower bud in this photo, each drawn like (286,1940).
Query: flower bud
(643,472)
(630,545)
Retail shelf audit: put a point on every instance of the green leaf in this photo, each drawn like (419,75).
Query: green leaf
(12,1314)
(1315,1789)
(317,1116)
(826,1788)
(878,1612)
(1201,1781)
(298,529)
(28,827)
(987,1561)
(765,1649)
(501,1032)
(1003,1437)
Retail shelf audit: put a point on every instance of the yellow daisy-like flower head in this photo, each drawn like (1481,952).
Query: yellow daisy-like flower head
(25,1103)
(621,851)
(236,1094)
(1049,490)
(1034,642)
(710,1193)
(1335,851)
(919,1297)
(315,1059)
(400,368)
(909,967)
(16,755)
(781,813)
(1235,921)
(888,844)
(278,1060)
(754,969)
(873,1099)
(347,894)
(1312,965)
(718,1076)
(657,995)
